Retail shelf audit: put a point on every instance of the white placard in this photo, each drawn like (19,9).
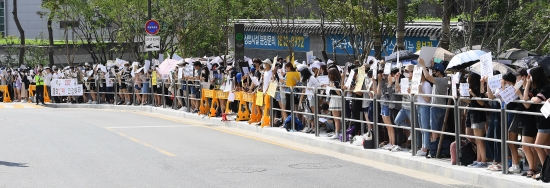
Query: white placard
(323,80)
(245,70)
(188,71)
(66,87)
(109,82)
(518,84)
(309,56)
(464,89)
(494,82)
(404,83)
(231,97)
(161,58)
(180,73)
(415,82)
(350,78)
(387,68)
(427,53)
(508,95)
(103,68)
(456,77)
(486,61)
(147,65)
(255,80)
(545,109)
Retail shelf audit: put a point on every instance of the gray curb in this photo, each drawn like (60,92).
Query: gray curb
(478,177)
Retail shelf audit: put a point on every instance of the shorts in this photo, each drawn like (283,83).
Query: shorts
(513,126)
(145,88)
(530,131)
(92,87)
(122,86)
(192,90)
(369,112)
(547,131)
(480,125)
(385,111)
(154,89)
(158,88)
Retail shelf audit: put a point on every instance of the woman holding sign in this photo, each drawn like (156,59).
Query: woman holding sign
(335,105)
(478,119)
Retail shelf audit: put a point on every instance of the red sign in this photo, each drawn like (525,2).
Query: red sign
(152,27)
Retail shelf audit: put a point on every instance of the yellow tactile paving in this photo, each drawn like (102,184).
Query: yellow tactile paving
(19,105)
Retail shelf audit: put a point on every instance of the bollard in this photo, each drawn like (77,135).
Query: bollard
(163,95)
(457,131)
(271,113)
(98,84)
(187,97)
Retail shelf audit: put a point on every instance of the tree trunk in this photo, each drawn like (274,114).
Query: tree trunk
(471,25)
(50,38)
(445,40)
(377,36)
(21,33)
(400,43)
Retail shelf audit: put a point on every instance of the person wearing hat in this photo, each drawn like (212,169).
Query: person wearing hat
(405,113)
(440,87)
(47,80)
(39,79)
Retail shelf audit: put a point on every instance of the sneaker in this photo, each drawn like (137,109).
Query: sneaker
(305,130)
(514,169)
(387,146)
(183,108)
(128,103)
(473,164)
(24,101)
(94,102)
(396,148)
(89,101)
(335,136)
(480,165)
(421,153)
(495,167)
(120,103)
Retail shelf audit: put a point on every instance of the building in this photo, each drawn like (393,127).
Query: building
(28,12)
(261,39)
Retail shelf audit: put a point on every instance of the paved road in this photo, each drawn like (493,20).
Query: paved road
(45,147)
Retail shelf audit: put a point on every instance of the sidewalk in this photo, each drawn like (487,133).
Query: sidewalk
(440,167)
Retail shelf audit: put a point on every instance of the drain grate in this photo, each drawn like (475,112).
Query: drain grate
(314,166)
(240,170)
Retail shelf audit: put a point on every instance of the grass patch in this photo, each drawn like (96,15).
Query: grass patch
(6,41)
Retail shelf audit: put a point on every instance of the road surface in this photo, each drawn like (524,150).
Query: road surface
(46,147)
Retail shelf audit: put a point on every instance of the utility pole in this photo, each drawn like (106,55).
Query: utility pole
(149,54)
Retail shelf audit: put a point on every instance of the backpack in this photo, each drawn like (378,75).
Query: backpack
(468,153)
(545,171)
(445,149)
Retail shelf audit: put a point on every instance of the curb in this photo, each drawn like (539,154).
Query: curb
(478,177)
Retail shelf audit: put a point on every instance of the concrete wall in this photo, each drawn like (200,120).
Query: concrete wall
(31,22)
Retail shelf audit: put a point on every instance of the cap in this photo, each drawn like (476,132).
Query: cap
(439,67)
(267,61)
(252,69)
(316,65)
(409,67)
(238,77)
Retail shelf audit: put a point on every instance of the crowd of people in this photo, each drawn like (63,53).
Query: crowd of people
(137,84)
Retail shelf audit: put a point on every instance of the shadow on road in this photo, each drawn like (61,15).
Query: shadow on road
(10,164)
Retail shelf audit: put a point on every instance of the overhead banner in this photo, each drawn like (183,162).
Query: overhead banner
(66,87)
(274,41)
(343,45)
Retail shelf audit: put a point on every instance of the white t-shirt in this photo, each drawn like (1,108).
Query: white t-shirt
(426,89)
(47,79)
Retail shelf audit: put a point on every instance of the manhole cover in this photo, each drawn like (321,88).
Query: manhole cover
(314,166)
(241,170)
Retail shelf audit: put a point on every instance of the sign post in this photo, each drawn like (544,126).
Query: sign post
(239,42)
(152,43)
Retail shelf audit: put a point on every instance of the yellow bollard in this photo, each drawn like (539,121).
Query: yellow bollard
(244,112)
(32,88)
(265,118)
(203,109)
(46,95)
(215,104)
(256,115)
(4,89)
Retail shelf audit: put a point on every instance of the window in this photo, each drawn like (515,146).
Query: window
(68,24)
(2,19)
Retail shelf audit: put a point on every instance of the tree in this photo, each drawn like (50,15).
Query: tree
(21,33)
(401,14)
(445,25)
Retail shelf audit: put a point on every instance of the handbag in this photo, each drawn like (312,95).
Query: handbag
(368,141)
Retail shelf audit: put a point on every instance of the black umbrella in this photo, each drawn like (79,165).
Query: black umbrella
(529,62)
(467,48)
(403,54)
(515,54)
(545,64)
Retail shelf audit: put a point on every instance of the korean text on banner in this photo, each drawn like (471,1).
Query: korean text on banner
(292,78)
(416,79)
(486,61)
(427,53)
(259,98)
(66,87)
(323,80)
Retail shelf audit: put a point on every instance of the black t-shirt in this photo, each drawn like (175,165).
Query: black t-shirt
(522,119)
(337,86)
(477,116)
(544,94)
